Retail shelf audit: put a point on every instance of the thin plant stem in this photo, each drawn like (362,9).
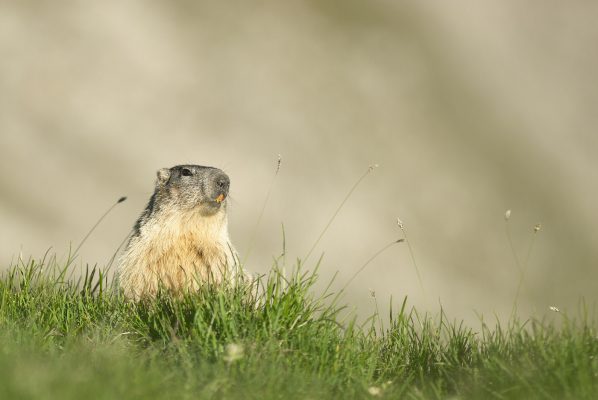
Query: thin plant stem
(525,267)
(259,219)
(510,239)
(361,178)
(122,243)
(73,255)
(412,254)
(372,258)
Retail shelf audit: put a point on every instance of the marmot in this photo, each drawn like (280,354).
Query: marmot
(181,239)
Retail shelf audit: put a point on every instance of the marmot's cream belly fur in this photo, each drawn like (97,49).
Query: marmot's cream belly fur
(177,248)
(179,256)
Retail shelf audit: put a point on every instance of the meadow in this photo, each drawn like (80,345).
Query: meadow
(71,335)
(274,338)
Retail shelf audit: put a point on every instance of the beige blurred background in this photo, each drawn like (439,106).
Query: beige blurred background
(469,108)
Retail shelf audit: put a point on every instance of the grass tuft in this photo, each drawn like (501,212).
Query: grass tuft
(272,338)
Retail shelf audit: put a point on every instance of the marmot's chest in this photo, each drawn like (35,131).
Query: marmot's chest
(189,255)
(178,252)
(186,251)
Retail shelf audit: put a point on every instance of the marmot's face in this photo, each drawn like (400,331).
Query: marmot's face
(195,186)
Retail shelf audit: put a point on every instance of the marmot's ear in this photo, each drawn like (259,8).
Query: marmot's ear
(163,176)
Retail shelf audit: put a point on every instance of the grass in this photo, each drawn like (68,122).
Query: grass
(274,338)
(60,339)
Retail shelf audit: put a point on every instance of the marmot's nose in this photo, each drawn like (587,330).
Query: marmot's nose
(223,182)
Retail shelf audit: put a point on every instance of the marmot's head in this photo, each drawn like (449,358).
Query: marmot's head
(190,187)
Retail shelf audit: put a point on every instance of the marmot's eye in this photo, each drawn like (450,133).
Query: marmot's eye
(186,172)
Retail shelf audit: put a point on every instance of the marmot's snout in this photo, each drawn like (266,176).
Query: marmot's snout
(222,183)
(216,188)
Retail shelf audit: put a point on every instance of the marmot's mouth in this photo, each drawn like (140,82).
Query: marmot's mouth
(220,198)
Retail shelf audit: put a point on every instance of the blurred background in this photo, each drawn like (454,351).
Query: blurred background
(469,108)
